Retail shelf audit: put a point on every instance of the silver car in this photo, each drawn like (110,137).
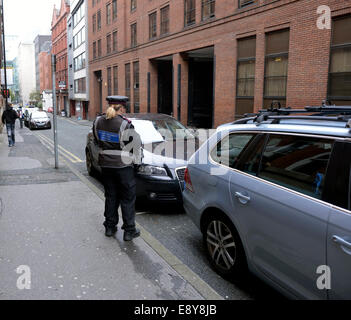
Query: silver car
(272,194)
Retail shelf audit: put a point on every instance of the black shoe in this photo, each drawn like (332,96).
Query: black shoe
(130,235)
(110,232)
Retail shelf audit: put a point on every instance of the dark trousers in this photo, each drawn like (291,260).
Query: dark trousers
(11,133)
(120,189)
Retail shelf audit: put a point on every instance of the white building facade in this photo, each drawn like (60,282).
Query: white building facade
(26,71)
(78,75)
(47,100)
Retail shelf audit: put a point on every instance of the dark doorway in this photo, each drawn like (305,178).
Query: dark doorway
(201,85)
(85,110)
(165,87)
(98,78)
(200,94)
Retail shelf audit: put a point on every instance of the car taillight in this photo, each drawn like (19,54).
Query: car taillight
(187,180)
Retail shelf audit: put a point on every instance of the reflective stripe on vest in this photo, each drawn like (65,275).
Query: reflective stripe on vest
(107,136)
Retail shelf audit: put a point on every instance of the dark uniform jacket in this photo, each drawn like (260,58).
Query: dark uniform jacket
(119,143)
(9,116)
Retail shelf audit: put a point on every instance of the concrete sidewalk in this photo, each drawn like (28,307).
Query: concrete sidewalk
(51,222)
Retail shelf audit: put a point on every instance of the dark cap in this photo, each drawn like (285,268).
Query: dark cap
(117,100)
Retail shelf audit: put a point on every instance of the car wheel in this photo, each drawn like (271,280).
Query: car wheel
(224,248)
(89,163)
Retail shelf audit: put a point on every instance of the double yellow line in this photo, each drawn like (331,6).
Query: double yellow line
(48,143)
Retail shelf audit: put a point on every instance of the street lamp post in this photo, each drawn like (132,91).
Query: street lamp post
(4,49)
(53,65)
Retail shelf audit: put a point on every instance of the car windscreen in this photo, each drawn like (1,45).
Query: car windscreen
(40,116)
(161,130)
(147,131)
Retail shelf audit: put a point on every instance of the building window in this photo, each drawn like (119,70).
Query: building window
(340,62)
(133,5)
(245,79)
(189,12)
(99,20)
(108,13)
(108,43)
(80,85)
(244,3)
(133,39)
(152,25)
(99,48)
(114,9)
(165,20)
(79,38)
(136,87)
(208,9)
(93,3)
(115,80)
(276,67)
(127,82)
(94,22)
(114,41)
(79,62)
(109,81)
(94,50)
(78,15)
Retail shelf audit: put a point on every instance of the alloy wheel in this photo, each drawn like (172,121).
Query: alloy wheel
(221,245)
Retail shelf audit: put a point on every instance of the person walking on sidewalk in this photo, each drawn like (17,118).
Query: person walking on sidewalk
(114,134)
(21,117)
(9,117)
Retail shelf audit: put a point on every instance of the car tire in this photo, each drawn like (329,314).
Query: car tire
(89,164)
(224,248)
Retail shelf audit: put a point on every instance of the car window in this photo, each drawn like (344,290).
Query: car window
(337,190)
(250,160)
(297,162)
(229,148)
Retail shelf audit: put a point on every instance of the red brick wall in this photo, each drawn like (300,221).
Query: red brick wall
(45,71)
(308,55)
(59,48)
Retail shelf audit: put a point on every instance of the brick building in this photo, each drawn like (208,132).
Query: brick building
(45,72)
(41,43)
(59,48)
(208,62)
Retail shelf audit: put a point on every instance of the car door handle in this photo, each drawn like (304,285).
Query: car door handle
(342,242)
(242,198)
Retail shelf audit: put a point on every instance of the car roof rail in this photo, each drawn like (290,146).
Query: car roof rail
(325,112)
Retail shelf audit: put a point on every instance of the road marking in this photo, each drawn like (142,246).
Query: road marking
(70,156)
(76,159)
(51,147)
(191,277)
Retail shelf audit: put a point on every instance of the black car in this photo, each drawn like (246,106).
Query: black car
(167,145)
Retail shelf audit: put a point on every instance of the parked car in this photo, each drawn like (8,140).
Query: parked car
(39,120)
(160,178)
(27,112)
(272,195)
